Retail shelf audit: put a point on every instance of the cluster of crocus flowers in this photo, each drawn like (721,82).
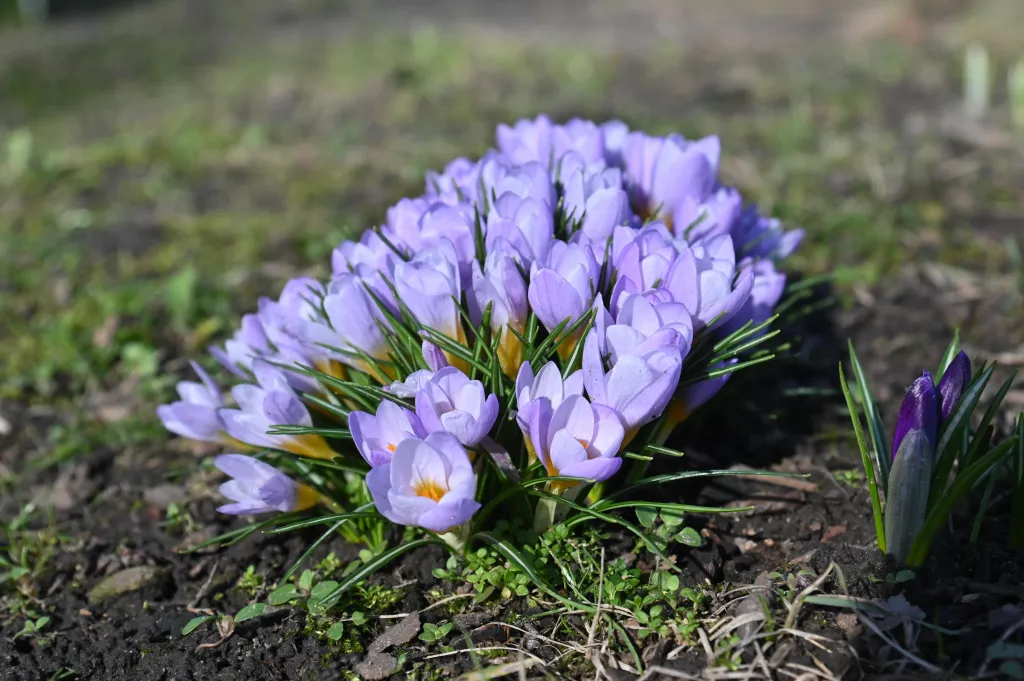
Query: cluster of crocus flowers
(559,282)
(925,408)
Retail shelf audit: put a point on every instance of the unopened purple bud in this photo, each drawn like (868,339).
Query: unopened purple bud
(951,386)
(919,411)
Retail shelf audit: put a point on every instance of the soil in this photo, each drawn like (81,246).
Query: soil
(111,506)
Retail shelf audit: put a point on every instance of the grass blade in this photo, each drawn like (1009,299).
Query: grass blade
(883,457)
(865,458)
(364,571)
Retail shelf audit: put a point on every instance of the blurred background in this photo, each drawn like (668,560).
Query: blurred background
(163,163)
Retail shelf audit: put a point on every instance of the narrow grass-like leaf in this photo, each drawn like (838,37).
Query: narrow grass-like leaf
(676,508)
(686,475)
(235,536)
(335,433)
(982,508)
(963,483)
(658,449)
(949,354)
(323,520)
(865,459)
(1017,493)
(981,438)
(362,572)
(312,547)
(883,457)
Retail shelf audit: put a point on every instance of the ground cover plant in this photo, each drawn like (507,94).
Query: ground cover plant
(164,167)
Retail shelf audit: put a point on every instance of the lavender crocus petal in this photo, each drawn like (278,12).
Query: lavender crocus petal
(256,487)
(951,386)
(593,368)
(193,421)
(615,133)
(695,395)
(919,411)
(411,385)
(553,299)
(452,511)
(434,356)
(378,481)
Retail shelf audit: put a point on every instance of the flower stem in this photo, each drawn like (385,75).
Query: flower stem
(456,538)
(544,517)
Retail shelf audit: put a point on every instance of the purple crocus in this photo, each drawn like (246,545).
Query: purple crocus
(195,415)
(955,379)
(524,226)
(647,322)
(258,487)
(501,286)
(451,402)
(546,384)
(638,387)
(704,279)
(428,483)
(642,259)
(563,286)
(498,177)
(413,383)
(248,343)
(577,439)
(272,403)
(429,286)
(593,195)
(378,436)
(370,251)
(918,412)
(763,237)
(670,175)
(542,141)
(615,134)
(460,181)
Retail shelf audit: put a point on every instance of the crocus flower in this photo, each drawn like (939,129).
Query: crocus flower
(952,384)
(762,237)
(715,216)
(460,181)
(919,411)
(704,279)
(638,387)
(548,384)
(428,483)
(913,452)
(369,251)
(429,286)
(578,439)
(411,385)
(765,293)
(642,259)
(258,487)
(195,415)
(354,329)
(563,286)
(670,175)
(248,343)
(647,322)
(451,402)
(272,403)
(524,226)
(532,180)
(378,436)
(542,141)
(615,134)
(593,195)
(501,286)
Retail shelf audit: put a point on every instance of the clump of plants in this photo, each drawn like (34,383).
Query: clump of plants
(511,348)
(945,452)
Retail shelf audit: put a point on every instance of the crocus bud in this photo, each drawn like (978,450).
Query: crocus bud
(919,411)
(951,386)
(906,501)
